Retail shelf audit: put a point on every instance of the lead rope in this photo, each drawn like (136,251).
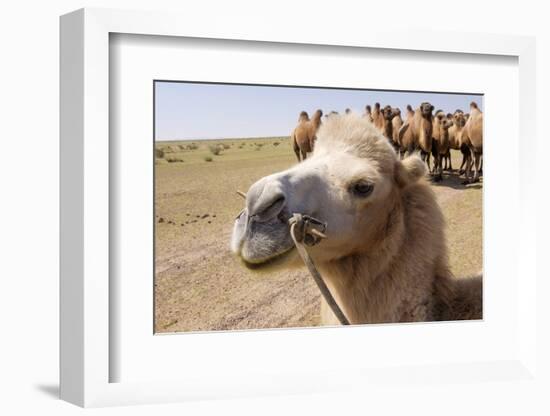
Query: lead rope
(302,231)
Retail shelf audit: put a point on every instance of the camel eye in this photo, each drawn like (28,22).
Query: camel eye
(362,189)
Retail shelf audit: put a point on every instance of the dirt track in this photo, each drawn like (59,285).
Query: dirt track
(199,285)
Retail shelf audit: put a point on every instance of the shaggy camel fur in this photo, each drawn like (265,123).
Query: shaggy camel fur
(473,138)
(416,133)
(385,256)
(304,135)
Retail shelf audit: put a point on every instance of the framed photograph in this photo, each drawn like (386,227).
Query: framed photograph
(281,213)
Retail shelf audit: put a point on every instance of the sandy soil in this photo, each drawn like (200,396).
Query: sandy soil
(199,285)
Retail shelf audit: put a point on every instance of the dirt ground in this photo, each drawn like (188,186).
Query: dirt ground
(199,285)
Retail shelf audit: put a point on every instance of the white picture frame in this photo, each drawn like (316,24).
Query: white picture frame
(86,357)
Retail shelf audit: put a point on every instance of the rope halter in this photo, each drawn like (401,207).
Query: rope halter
(309,231)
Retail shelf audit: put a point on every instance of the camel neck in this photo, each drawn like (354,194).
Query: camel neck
(388,128)
(359,280)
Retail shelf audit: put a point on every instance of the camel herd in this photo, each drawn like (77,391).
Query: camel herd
(431,134)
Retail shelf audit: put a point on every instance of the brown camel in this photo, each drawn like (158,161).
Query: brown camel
(440,143)
(456,132)
(403,147)
(377,117)
(397,123)
(385,123)
(473,138)
(416,133)
(304,135)
(385,256)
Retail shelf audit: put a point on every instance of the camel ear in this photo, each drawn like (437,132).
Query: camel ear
(409,171)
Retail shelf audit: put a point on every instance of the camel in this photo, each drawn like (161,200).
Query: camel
(447,156)
(403,147)
(304,135)
(384,257)
(416,133)
(397,123)
(473,138)
(377,117)
(440,142)
(384,123)
(456,132)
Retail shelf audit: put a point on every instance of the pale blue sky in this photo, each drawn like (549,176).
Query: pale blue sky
(209,111)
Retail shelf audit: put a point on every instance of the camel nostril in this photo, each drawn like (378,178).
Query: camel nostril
(270,209)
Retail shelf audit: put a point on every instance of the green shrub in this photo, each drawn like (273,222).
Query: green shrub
(159,153)
(208,159)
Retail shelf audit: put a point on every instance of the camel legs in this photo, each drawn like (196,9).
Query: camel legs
(477,157)
(304,155)
(438,167)
(428,162)
(425,156)
(448,161)
(465,157)
(296,149)
(469,165)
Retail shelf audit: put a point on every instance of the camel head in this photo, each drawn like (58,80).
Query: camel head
(353,181)
(368,109)
(459,118)
(396,112)
(426,110)
(440,117)
(446,123)
(377,106)
(387,112)
(473,105)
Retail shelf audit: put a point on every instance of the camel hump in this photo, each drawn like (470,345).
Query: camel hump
(303,116)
